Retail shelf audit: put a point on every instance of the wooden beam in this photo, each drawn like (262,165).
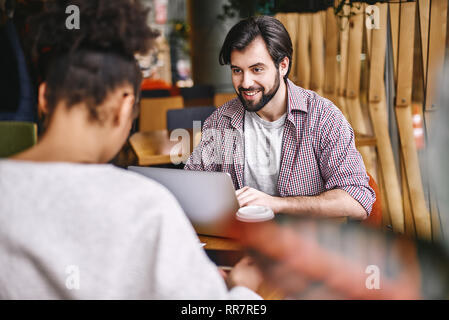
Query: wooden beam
(363,140)
(330,61)
(317,53)
(394,23)
(343,66)
(353,107)
(410,228)
(424,12)
(437,50)
(356,25)
(303,55)
(386,219)
(404,119)
(379,119)
(290,22)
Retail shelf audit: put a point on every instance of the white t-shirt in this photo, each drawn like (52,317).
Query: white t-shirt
(263,143)
(77,231)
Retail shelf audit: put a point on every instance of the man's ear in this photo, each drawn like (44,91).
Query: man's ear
(283,66)
(42,101)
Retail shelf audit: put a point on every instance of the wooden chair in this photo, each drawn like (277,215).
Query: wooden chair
(157,93)
(184,118)
(16,136)
(153,112)
(221,98)
(198,95)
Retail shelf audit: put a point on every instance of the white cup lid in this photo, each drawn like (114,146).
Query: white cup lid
(254,214)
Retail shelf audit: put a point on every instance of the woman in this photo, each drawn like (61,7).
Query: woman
(72,226)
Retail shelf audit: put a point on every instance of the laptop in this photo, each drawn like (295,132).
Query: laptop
(207,198)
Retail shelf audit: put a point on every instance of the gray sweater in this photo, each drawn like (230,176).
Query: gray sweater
(76,231)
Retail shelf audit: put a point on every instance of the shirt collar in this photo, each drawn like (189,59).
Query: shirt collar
(297,98)
(236,112)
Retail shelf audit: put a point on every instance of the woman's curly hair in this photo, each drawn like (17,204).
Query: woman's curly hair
(85,64)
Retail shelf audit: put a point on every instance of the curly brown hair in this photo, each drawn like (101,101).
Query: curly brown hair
(85,64)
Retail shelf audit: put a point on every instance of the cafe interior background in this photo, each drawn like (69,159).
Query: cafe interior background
(382,63)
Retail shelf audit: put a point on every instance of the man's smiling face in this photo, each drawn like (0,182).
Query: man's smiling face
(254,75)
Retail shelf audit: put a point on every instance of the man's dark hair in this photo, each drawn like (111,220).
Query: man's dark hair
(86,64)
(271,30)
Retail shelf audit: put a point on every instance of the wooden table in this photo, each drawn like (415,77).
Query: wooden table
(154,147)
(218,243)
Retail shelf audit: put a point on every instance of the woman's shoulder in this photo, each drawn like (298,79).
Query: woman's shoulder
(100,179)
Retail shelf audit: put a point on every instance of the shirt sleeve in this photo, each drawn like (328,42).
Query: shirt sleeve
(181,268)
(341,164)
(206,156)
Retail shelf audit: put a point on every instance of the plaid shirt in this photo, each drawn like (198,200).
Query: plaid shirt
(318,151)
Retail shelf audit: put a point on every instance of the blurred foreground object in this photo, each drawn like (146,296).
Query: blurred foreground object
(438,156)
(322,260)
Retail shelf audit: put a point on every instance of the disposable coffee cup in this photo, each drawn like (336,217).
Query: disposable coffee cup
(254,214)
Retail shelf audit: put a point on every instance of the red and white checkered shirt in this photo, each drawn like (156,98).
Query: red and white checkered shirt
(318,150)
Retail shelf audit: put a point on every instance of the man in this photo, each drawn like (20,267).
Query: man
(285,147)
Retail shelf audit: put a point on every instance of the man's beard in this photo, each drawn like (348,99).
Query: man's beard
(252,106)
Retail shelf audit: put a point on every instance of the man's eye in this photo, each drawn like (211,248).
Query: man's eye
(236,71)
(258,70)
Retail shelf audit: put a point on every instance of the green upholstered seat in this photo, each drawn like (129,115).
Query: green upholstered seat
(16,136)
